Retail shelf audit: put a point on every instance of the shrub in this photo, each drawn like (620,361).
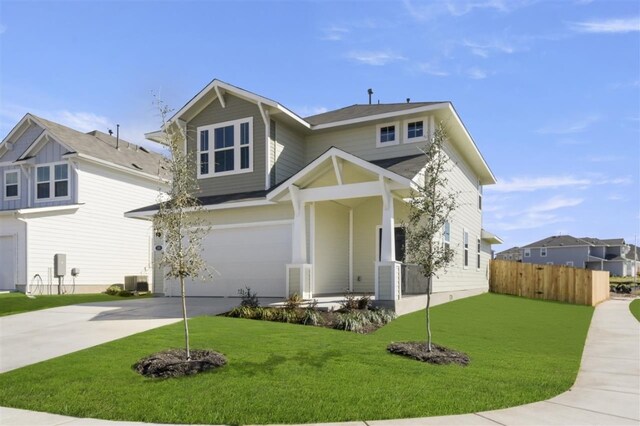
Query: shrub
(287,315)
(311,317)
(293,302)
(380,316)
(126,293)
(350,301)
(243,312)
(352,321)
(249,299)
(364,302)
(114,289)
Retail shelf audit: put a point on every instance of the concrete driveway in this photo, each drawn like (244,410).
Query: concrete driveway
(36,336)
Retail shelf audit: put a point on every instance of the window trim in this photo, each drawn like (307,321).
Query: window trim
(425,130)
(395,141)
(543,253)
(4,190)
(446,236)
(479,196)
(237,148)
(479,250)
(52,182)
(527,252)
(569,263)
(379,246)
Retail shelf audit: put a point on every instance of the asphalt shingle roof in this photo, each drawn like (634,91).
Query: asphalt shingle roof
(360,111)
(103,146)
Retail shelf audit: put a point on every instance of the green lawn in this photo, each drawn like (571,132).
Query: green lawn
(15,303)
(634,307)
(285,373)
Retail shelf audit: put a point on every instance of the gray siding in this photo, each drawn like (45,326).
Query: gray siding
(236,108)
(22,143)
(289,153)
(559,256)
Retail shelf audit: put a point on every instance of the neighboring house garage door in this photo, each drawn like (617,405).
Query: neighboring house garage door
(8,262)
(242,257)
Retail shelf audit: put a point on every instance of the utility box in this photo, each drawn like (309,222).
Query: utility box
(136,283)
(59,265)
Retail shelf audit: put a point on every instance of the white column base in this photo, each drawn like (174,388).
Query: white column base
(300,280)
(388,276)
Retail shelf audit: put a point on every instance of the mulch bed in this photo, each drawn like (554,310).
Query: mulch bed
(438,355)
(173,363)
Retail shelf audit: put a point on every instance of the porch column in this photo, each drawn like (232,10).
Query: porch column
(298,273)
(388,271)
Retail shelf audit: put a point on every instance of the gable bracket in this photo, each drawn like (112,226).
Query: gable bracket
(263,113)
(337,166)
(220,96)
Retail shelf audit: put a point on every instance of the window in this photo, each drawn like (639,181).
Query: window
(230,148)
(543,252)
(399,235)
(11,184)
(52,181)
(479,196)
(415,131)
(478,254)
(387,134)
(465,239)
(527,252)
(549,263)
(446,235)
(569,263)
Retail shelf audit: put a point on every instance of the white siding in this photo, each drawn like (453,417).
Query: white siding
(96,238)
(14,230)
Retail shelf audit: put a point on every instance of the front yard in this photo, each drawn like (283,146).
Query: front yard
(15,303)
(521,351)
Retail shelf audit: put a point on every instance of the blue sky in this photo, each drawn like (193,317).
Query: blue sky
(550,90)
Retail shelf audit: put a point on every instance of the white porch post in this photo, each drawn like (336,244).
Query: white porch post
(388,271)
(299,272)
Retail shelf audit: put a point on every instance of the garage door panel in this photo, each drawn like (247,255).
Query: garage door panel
(252,257)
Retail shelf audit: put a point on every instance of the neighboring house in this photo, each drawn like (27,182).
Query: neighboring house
(66,192)
(513,254)
(613,255)
(315,205)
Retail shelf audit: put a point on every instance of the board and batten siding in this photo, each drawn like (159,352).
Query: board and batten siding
(23,190)
(21,143)
(213,113)
(96,238)
(289,152)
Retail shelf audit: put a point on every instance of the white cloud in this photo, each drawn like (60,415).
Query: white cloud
(433,9)
(602,158)
(81,121)
(3,28)
(335,33)
(529,220)
(429,68)
(484,50)
(607,26)
(556,203)
(375,58)
(529,184)
(566,128)
(476,73)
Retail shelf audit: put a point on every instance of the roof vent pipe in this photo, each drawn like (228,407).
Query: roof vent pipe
(370,92)
(408,100)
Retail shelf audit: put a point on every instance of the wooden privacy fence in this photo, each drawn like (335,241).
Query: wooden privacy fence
(549,282)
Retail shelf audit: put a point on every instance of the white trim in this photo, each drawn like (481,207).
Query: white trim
(350,249)
(425,130)
(569,263)
(543,254)
(111,165)
(343,192)
(220,97)
(337,168)
(386,115)
(465,249)
(236,147)
(267,152)
(148,215)
(36,143)
(397,132)
(312,244)
(17,131)
(527,252)
(39,210)
(251,224)
(18,183)
(52,182)
(378,251)
(14,241)
(478,251)
(446,241)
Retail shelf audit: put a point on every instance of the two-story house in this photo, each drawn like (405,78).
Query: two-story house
(613,255)
(514,254)
(66,192)
(315,205)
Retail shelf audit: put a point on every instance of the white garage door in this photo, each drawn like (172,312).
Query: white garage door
(252,257)
(7,263)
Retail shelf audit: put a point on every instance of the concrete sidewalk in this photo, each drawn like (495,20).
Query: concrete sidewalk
(606,391)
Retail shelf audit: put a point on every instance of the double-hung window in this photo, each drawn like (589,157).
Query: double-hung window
(446,235)
(543,252)
(11,184)
(465,239)
(387,134)
(478,247)
(52,182)
(225,148)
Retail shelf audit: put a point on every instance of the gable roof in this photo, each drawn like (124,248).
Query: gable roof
(558,241)
(99,146)
(360,111)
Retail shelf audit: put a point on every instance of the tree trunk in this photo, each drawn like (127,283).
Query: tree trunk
(427,311)
(184,318)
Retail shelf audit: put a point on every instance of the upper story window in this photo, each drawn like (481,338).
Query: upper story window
(543,252)
(387,134)
(479,196)
(465,240)
(478,250)
(52,182)
(527,252)
(415,131)
(446,235)
(11,184)
(225,148)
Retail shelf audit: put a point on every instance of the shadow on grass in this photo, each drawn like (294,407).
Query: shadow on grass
(271,364)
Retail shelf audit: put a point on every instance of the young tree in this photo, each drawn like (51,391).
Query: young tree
(430,208)
(178,217)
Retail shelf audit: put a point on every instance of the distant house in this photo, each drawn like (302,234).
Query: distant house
(64,191)
(514,254)
(613,255)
